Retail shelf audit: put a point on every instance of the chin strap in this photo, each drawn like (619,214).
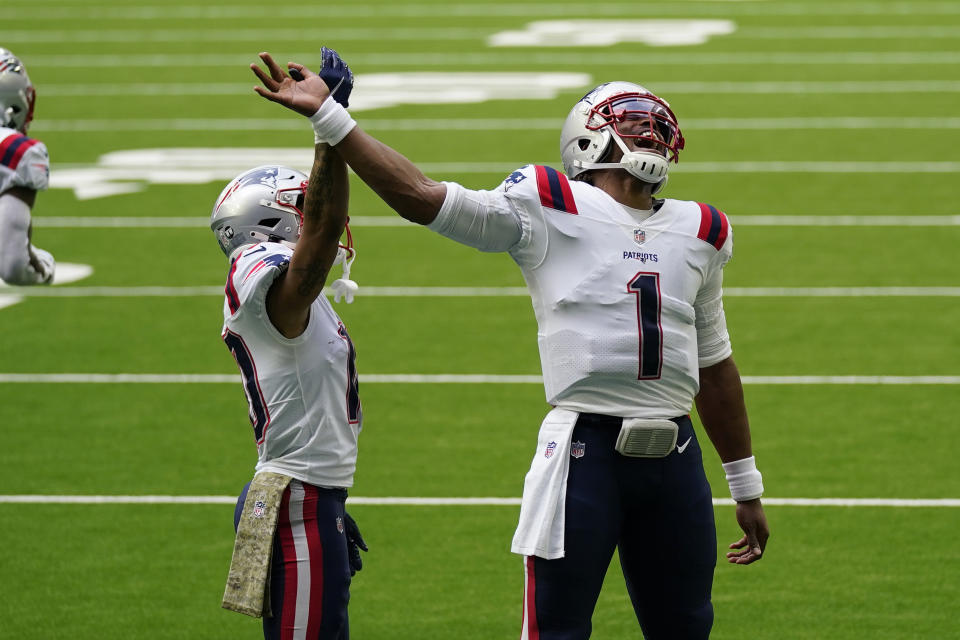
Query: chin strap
(344,287)
(644,165)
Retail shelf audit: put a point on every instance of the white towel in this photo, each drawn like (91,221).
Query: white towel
(540,530)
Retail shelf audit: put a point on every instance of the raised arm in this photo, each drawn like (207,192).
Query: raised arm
(324,218)
(391,175)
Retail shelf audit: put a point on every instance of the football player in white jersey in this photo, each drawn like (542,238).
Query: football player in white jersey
(281,231)
(24,170)
(626,289)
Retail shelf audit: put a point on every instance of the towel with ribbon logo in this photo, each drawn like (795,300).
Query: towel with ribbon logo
(542,509)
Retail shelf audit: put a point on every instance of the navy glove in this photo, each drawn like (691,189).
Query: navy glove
(335,72)
(354,540)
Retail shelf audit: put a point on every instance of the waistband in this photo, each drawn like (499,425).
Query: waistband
(617,421)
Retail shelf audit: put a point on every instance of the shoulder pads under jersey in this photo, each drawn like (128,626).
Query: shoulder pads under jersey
(24,160)
(544,184)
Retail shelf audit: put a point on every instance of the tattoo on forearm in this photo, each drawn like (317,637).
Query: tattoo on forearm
(319,195)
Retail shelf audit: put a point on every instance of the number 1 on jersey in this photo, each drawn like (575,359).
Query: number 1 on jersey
(646,286)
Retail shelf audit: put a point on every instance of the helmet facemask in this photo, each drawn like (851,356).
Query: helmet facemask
(639,117)
(644,118)
(641,125)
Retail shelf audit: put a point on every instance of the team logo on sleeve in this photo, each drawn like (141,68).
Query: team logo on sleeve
(551,448)
(577,449)
(514,178)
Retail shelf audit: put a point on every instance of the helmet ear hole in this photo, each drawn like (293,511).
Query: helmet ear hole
(270,223)
(583,143)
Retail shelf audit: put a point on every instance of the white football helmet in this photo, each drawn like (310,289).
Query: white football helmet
(17,95)
(614,111)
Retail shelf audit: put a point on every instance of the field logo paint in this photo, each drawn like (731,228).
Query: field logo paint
(602,33)
(378,90)
(123,172)
(66,272)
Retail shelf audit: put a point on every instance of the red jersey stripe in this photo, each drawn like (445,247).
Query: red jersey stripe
(713,226)
(233,300)
(315,551)
(543,186)
(554,190)
(22,149)
(567,194)
(533,630)
(288,614)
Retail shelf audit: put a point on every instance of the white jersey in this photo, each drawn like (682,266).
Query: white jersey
(23,162)
(628,308)
(302,392)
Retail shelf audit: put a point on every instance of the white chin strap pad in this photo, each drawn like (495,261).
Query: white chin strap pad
(644,165)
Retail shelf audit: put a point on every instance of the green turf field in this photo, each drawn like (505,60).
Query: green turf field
(828,131)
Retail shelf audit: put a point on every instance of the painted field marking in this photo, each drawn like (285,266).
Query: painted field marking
(132,170)
(495,58)
(475,93)
(488,124)
(100,12)
(786,220)
(592,32)
(475,292)
(375,90)
(201,378)
(443,502)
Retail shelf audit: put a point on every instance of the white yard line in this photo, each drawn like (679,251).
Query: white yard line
(134,173)
(494,58)
(485,292)
(35,11)
(905,220)
(445,378)
(441,502)
(827,87)
(488,124)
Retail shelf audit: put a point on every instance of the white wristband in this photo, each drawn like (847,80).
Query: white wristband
(331,123)
(744,480)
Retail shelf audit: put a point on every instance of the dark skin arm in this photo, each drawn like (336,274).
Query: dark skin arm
(324,217)
(391,175)
(724,416)
(324,213)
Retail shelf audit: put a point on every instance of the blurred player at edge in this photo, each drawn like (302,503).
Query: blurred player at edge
(627,293)
(24,170)
(281,233)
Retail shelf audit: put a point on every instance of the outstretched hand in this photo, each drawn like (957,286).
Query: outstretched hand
(304,96)
(751,546)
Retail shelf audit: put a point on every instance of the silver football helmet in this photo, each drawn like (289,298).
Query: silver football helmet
(612,112)
(264,204)
(17,95)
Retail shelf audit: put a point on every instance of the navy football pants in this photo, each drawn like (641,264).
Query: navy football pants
(657,511)
(310,569)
